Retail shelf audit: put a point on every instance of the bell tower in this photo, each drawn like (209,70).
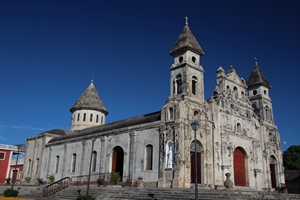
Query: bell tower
(258,88)
(184,105)
(186,72)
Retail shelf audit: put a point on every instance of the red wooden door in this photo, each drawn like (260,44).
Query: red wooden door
(273,177)
(193,171)
(114,161)
(239,168)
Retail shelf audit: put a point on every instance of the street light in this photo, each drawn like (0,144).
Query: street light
(195,126)
(13,181)
(89,178)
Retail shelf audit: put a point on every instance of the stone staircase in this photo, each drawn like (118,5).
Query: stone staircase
(134,193)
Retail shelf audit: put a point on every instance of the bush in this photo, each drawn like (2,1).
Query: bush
(10,193)
(114,177)
(85,197)
(27,179)
(51,178)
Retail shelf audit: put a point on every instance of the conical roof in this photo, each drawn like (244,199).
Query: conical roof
(186,41)
(257,78)
(90,100)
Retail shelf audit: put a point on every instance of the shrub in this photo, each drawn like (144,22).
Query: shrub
(114,177)
(27,179)
(85,197)
(10,193)
(51,178)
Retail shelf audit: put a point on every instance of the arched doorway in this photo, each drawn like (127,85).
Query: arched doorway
(193,169)
(118,160)
(273,171)
(239,167)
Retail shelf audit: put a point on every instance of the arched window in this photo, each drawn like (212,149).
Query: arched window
(177,85)
(37,165)
(239,127)
(84,116)
(101,119)
(97,119)
(235,92)
(57,164)
(228,90)
(194,85)
(73,166)
(91,117)
(149,157)
(78,116)
(94,161)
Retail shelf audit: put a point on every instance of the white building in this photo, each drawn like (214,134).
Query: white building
(243,139)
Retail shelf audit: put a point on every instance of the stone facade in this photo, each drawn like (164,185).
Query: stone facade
(236,135)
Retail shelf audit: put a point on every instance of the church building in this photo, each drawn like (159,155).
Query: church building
(236,133)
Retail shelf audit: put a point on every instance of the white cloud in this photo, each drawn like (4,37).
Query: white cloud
(24,127)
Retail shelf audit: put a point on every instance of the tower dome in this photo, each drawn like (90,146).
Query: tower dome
(88,110)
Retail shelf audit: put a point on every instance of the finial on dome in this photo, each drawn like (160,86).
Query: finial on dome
(255,61)
(92,81)
(186,20)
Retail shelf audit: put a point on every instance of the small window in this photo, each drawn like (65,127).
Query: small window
(29,166)
(171,113)
(84,116)
(2,155)
(235,92)
(194,59)
(97,119)
(178,83)
(228,89)
(254,92)
(101,119)
(78,116)
(180,59)
(37,165)
(91,117)
(267,113)
(239,128)
(194,85)
(149,157)
(73,166)
(196,116)
(57,164)
(94,161)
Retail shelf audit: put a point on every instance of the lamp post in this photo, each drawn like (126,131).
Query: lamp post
(195,126)
(89,177)
(15,170)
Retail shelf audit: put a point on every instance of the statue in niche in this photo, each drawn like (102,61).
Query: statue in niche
(169,154)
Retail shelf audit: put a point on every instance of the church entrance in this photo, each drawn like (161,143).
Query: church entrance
(118,161)
(193,167)
(239,167)
(272,171)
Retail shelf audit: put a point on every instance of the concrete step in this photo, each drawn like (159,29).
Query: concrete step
(132,193)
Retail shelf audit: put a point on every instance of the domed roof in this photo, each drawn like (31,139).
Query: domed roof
(257,78)
(186,41)
(90,100)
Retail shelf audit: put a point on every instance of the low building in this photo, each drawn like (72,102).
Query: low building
(11,162)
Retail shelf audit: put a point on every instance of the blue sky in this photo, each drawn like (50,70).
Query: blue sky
(49,50)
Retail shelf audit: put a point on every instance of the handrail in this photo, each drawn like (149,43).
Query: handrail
(83,179)
(56,186)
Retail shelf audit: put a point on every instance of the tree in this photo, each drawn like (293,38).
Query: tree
(291,158)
